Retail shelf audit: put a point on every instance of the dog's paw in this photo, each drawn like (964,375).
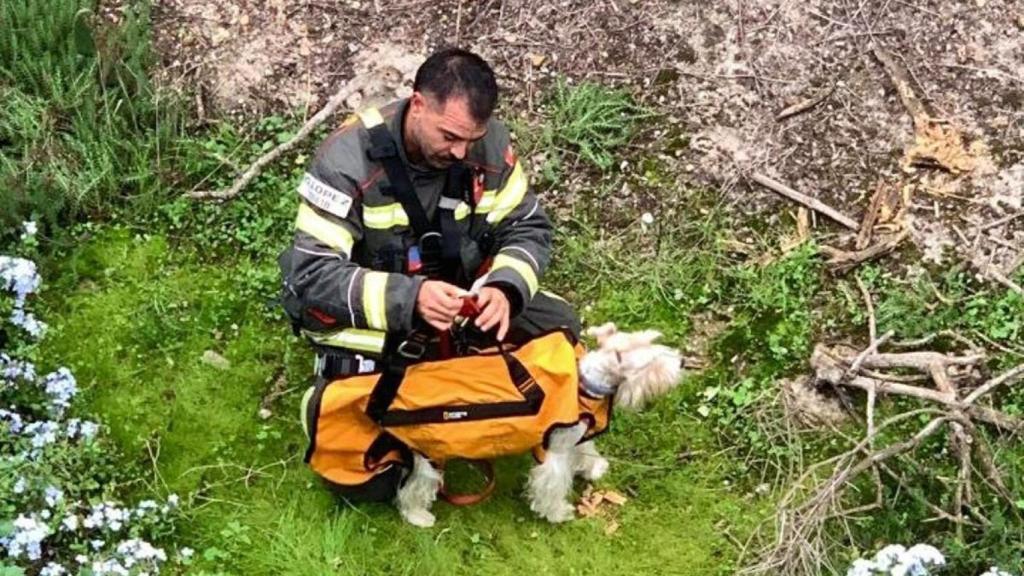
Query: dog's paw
(562,513)
(595,468)
(419,518)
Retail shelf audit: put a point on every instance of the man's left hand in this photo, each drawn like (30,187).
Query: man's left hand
(494,311)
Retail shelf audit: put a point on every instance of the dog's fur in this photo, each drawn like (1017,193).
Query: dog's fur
(627,364)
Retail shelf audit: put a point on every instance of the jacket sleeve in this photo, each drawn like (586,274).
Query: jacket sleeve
(328,290)
(522,233)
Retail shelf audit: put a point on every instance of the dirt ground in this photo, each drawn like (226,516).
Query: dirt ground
(788,88)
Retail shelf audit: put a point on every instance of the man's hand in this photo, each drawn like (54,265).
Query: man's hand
(438,302)
(494,310)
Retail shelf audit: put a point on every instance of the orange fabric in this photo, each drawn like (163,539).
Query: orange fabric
(344,432)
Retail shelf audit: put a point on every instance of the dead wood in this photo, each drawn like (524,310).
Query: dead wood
(867,224)
(809,202)
(805,510)
(254,170)
(841,261)
(805,105)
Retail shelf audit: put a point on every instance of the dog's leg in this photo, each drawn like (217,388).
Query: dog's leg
(551,481)
(418,493)
(588,463)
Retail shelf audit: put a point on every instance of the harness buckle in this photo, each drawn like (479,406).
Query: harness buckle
(412,349)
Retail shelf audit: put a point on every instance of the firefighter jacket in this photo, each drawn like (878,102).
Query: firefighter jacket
(347,280)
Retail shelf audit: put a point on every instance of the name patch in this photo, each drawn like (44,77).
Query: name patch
(325,197)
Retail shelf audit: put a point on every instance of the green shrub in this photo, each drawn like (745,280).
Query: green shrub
(81,128)
(588,121)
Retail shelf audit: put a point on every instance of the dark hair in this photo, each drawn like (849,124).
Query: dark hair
(457,72)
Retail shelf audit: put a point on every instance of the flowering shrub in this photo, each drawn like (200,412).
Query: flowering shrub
(895,560)
(59,477)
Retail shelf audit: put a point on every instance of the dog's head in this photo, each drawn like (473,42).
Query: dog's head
(630,365)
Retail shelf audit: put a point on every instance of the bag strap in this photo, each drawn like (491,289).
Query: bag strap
(397,359)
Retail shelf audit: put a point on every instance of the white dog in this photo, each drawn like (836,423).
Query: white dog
(628,365)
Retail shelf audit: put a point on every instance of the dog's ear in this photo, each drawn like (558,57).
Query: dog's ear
(602,333)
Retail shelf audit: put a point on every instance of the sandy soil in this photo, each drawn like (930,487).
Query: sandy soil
(720,71)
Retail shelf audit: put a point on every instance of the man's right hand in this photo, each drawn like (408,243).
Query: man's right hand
(438,303)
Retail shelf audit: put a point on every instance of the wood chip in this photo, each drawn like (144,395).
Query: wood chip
(611,528)
(614,497)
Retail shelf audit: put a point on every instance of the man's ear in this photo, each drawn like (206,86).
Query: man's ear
(417,103)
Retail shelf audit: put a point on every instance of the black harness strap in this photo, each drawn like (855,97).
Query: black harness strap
(455,187)
(384,149)
(397,358)
(438,250)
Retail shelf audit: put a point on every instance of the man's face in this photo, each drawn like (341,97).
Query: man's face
(441,133)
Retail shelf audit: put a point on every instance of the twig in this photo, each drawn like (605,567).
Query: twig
(812,203)
(998,276)
(871,349)
(872,326)
(842,261)
(805,105)
(898,75)
(867,224)
(458,24)
(254,170)
(1008,377)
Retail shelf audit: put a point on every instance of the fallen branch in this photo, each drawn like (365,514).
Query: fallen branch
(842,261)
(998,276)
(254,170)
(867,224)
(901,80)
(812,203)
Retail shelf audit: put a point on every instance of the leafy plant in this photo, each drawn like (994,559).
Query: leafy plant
(82,131)
(588,121)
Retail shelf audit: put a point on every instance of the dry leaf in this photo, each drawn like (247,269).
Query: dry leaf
(536,59)
(586,509)
(614,497)
(941,147)
(611,528)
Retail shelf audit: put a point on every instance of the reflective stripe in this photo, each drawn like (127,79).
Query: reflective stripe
(352,338)
(510,196)
(303,406)
(521,268)
(391,215)
(486,203)
(374,291)
(524,252)
(384,217)
(334,235)
(371,117)
(551,294)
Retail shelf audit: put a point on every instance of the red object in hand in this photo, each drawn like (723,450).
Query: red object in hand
(469,309)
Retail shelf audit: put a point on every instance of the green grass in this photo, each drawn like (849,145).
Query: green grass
(132,315)
(588,123)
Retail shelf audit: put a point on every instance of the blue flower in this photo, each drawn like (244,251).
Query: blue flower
(53,495)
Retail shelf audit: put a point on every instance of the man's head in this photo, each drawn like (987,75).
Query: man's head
(453,96)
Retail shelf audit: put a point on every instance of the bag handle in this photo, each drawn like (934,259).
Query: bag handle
(486,467)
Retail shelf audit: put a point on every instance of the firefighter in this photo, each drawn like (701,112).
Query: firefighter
(404,211)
